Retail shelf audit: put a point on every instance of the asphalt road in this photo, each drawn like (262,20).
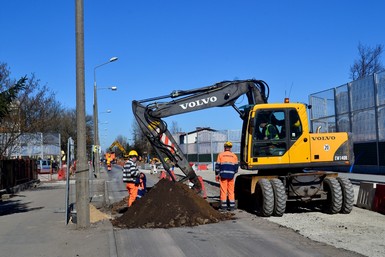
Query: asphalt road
(248,235)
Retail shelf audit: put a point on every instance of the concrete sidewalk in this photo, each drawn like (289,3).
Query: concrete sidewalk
(33,224)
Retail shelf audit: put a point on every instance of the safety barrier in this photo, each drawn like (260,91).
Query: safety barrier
(202,167)
(379,199)
(366,195)
(371,196)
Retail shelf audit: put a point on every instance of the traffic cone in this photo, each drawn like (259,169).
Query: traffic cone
(61,174)
(162,174)
(203,192)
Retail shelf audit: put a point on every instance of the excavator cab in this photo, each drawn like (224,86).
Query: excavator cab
(267,142)
(277,135)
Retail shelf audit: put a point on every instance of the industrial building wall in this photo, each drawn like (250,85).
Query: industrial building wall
(207,144)
(357,107)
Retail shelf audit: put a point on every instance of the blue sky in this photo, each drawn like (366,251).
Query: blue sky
(297,47)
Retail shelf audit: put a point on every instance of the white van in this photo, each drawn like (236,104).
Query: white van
(44,166)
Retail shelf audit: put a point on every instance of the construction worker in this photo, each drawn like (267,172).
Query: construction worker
(225,169)
(153,166)
(131,176)
(172,167)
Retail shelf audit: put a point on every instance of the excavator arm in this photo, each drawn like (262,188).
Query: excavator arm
(149,114)
(121,148)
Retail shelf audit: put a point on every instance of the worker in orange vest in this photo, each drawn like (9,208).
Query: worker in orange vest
(131,176)
(225,169)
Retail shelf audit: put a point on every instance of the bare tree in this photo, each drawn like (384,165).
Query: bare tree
(175,127)
(9,105)
(368,62)
(141,143)
(35,109)
(65,124)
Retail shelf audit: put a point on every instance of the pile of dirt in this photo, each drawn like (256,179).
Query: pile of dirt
(169,204)
(118,207)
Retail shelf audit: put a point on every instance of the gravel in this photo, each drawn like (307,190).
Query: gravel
(361,231)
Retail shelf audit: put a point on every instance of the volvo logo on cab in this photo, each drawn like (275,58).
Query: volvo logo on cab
(323,138)
(199,102)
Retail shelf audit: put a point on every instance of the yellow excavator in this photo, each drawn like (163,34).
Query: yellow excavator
(117,144)
(287,167)
(111,155)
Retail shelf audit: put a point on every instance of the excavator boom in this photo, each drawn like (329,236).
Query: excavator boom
(149,114)
(117,144)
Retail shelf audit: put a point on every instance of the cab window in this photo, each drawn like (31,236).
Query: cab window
(269,133)
(295,125)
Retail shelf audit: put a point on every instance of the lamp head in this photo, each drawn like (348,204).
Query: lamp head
(112,59)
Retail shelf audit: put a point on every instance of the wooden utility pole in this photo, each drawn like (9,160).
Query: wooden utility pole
(82,176)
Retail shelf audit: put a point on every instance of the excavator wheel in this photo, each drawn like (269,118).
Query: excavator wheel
(264,198)
(333,202)
(347,195)
(280,197)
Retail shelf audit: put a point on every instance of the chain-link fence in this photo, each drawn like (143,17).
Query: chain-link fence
(32,145)
(206,144)
(357,107)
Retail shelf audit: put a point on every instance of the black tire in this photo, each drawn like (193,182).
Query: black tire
(280,197)
(264,198)
(347,195)
(334,196)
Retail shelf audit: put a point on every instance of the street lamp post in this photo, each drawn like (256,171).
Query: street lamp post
(96,127)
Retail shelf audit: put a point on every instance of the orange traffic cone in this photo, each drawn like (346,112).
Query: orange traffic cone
(61,175)
(162,174)
(203,192)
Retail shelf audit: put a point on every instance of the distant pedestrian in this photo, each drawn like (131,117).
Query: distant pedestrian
(154,169)
(131,176)
(225,169)
(172,168)
(142,185)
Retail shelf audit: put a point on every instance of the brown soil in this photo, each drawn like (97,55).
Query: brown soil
(166,205)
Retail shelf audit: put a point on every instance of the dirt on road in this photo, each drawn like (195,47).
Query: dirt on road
(168,205)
